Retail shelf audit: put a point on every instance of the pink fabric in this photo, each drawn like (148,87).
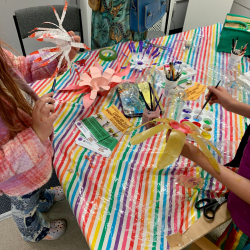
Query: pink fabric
(25,162)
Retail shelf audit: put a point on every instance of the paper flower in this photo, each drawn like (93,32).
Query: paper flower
(176,140)
(60,37)
(96,82)
(142,60)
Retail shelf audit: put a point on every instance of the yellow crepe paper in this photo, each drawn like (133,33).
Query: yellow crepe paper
(175,142)
(173,148)
(143,136)
(206,151)
(165,120)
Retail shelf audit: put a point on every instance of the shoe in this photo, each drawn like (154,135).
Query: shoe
(58,192)
(57,229)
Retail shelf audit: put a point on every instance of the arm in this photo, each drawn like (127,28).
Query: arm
(22,153)
(32,71)
(236,183)
(221,96)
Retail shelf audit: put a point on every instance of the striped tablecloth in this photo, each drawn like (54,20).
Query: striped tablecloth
(124,202)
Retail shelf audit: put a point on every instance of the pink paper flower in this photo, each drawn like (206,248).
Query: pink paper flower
(97,81)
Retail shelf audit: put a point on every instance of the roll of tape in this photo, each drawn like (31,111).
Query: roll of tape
(107,54)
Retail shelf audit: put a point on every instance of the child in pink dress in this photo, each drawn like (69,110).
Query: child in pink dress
(26,131)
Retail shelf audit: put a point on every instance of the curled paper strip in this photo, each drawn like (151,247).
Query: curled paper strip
(176,140)
(60,37)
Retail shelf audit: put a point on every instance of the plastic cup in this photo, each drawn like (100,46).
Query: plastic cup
(149,115)
(234,59)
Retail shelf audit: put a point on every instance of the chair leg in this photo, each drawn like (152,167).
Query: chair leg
(19,35)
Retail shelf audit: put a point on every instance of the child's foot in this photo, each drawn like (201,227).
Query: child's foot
(59,194)
(57,229)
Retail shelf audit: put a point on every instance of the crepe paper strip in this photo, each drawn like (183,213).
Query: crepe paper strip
(211,145)
(165,120)
(206,151)
(87,101)
(143,136)
(172,151)
(58,36)
(196,128)
(72,87)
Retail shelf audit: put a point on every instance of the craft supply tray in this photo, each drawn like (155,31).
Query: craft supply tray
(205,121)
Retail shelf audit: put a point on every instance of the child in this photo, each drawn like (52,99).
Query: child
(238,232)
(26,132)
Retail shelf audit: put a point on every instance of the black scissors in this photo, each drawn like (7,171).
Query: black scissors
(210,206)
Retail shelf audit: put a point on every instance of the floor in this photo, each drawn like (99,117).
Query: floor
(73,238)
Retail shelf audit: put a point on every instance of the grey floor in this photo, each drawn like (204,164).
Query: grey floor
(73,238)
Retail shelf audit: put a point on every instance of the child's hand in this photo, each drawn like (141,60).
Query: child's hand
(221,96)
(73,51)
(42,118)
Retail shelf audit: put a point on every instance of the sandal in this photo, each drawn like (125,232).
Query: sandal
(57,229)
(58,192)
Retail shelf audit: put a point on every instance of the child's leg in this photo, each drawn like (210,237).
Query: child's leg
(29,221)
(232,238)
(46,200)
(48,197)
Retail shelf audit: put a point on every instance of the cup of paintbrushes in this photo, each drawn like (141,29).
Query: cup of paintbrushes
(149,115)
(235,58)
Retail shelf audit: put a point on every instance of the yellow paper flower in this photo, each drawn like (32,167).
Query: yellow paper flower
(176,140)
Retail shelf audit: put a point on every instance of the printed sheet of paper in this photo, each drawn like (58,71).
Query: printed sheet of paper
(102,132)
(194,92)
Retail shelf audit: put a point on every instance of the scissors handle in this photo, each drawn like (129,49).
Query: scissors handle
(208,202)
(211,209)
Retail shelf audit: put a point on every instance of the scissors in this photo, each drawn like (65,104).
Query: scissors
(210,206)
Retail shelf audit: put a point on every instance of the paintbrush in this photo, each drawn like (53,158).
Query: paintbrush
(158,103)
(142,96)
(208,99)
(54,86)
(150,90)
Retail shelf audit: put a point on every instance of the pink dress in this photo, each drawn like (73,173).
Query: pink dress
(25,162)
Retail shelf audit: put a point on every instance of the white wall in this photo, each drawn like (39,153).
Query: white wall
(7,27)
(86,20)
(241,7)
(179,13)
(206,12)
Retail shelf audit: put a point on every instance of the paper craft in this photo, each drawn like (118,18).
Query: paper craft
(98,81)
(190,181)
(194,92)
(142,59)
(176,140)
(102,132)
(60,37)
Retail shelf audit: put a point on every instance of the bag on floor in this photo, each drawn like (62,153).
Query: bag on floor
(145,13)
(234,26)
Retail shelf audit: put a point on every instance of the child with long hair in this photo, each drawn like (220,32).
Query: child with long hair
(26,133)
(237,235)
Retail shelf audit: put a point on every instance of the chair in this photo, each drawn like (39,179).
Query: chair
(30,18)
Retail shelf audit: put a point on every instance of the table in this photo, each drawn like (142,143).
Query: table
(124,202)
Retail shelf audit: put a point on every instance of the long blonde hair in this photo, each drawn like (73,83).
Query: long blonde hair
(11,94)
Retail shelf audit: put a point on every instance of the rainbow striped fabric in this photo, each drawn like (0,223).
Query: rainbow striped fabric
(233,239)
(124,202)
